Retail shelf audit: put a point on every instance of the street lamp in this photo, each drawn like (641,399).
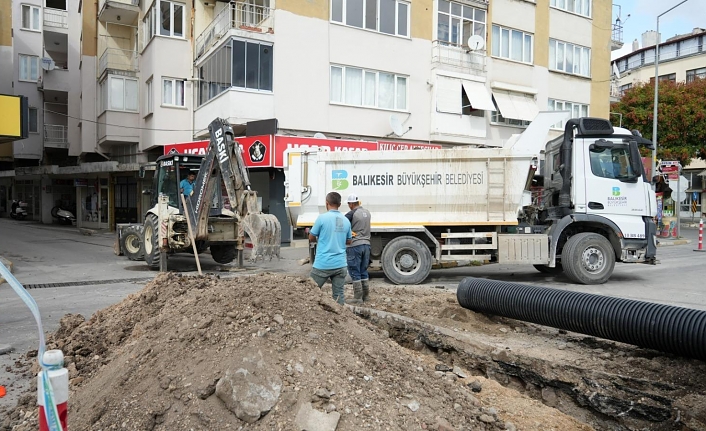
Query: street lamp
(654,116)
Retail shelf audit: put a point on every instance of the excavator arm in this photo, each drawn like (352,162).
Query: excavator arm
(224,156)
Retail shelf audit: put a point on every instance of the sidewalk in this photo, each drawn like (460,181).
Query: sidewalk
(667,242)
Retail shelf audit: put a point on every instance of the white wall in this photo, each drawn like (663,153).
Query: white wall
(75,84)
(7,67)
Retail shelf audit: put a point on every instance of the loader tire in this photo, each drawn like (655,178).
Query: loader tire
(151,241)
(406,260)
(588,258)
(131,243)
(225,253)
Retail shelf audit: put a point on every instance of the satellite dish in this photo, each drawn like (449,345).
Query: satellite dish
(616,72)
(476,43)
(396,126)
(48,63)
(319,135)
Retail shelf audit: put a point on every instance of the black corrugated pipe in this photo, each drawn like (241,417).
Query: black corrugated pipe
(565,159)
(666,328)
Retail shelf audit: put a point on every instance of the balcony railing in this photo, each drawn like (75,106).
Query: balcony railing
(239,16)
(56,135)
(56,18)
(473,62)
(117,59)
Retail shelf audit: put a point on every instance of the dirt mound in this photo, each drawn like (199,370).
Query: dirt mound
(263,353)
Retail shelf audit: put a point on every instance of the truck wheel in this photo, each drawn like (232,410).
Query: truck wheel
(588,258)
(151,243)
(406,260)
(546,269)
(223,253)
(131,243)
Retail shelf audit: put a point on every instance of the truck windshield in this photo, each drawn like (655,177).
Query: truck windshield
(611,162)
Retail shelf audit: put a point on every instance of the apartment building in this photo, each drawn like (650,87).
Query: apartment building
(463,72)
(682,58)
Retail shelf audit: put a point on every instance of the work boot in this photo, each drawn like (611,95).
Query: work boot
(365,287)
(357,293)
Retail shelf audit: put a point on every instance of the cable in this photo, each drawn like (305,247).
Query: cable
(118,125)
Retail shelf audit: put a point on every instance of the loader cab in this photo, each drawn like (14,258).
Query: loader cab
(171,169)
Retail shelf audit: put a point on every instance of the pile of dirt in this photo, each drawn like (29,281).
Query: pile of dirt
(267,352)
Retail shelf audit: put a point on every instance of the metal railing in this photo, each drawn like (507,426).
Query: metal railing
(117,59)
(617,33)
(458,56)
(239,16)
(56,18)
(55,134)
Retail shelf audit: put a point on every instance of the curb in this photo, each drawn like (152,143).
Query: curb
(669,243)
(9,266)
(5,349)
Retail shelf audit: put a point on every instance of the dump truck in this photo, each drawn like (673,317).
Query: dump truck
(576,204)
(219,224)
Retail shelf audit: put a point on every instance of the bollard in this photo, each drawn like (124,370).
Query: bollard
(59,380)
(700,247)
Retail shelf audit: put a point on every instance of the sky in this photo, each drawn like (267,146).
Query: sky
(643,17)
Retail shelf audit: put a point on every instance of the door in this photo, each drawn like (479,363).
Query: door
(125,198)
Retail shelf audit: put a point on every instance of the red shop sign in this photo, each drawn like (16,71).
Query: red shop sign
(283,143)
(257,150)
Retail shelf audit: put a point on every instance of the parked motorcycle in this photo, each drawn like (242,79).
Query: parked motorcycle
(18,211)
(63,216)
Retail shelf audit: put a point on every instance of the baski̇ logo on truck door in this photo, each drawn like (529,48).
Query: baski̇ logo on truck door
(339,179)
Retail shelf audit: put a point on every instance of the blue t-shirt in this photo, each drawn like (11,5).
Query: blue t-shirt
(332,229)
(187,186)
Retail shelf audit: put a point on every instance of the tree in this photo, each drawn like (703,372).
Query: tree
(681,129)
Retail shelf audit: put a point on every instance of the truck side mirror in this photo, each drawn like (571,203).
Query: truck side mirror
(636,161)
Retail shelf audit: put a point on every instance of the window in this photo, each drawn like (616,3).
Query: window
(694,74)
(496,117)
(252,65)
(215,74)
(369,88)
(671,77)
(172,92)
(385,16)
(165,18)
(29,68)
(624,88)
(569,58)
(512,44)
(578,110)
(150,98)
(581,7)
(30,17)
(33,128)
(119,94)
(611,162)
(457,22)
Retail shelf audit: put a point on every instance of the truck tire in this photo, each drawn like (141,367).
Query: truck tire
(546,269)
(406,260)
(588,258)
(151,241)
(223,253)
(131,243)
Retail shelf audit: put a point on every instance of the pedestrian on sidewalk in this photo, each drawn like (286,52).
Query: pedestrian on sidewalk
(331,232)
(358,252)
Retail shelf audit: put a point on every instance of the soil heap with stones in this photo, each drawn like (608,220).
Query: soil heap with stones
(266,352)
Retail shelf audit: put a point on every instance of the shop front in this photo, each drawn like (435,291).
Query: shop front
(93,201)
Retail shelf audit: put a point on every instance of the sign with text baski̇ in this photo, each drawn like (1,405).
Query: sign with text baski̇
(256,150)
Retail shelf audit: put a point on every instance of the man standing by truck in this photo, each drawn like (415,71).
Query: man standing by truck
(358,252)
(331,232)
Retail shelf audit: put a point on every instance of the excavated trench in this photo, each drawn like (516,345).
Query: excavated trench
(634,390)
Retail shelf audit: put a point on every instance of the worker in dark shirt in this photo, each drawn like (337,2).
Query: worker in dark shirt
(358,252)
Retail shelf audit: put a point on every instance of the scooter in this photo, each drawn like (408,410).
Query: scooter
(63,216)
(18,211)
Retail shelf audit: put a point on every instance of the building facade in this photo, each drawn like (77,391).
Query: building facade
(682,58)
(156,72)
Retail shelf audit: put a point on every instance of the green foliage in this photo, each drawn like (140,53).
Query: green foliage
(681,130)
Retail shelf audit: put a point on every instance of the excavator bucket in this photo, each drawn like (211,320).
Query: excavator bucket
(265,232)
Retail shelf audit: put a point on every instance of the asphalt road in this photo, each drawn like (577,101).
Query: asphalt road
(91,277)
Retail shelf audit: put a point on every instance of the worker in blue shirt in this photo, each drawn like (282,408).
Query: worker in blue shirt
(187,184)
(331,232)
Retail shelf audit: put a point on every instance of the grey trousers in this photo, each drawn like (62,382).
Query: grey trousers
(338,280)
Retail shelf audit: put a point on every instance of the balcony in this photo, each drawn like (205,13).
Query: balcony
(119,11)
(118,60)
(458,57)
(56,19)
(56,136)
(235,16)
(616,38)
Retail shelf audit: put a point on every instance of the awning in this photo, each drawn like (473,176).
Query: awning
(702,173)
(516,106)
(478,95)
